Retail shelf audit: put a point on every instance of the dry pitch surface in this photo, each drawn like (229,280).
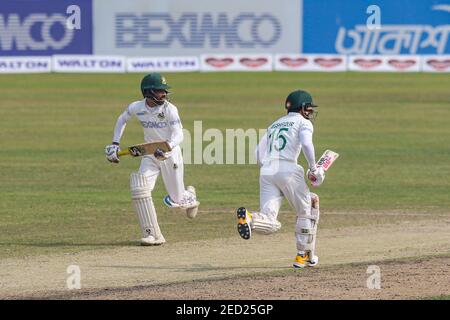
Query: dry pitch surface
(413,256)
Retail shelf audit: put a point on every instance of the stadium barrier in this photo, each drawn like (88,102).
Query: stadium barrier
(310,62)
(88,63)
(25,64)
(435,63)
(236,62)
(225,62)
(163,64)
(384,63)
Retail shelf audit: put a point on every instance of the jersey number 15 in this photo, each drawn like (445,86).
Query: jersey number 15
(277,140)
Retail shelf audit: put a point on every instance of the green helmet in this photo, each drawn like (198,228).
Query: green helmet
(151,82)
(301,101)
(154,81)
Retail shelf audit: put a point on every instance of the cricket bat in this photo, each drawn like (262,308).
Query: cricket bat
(143,149)
(327,159)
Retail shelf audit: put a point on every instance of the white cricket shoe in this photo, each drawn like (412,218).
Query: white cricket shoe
(189,204)
(152,241)
(192,212)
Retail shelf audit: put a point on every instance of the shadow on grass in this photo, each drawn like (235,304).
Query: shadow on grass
(71,244)
(196,268)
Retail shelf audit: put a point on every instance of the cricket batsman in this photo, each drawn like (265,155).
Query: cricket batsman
(281,176)
(160,120)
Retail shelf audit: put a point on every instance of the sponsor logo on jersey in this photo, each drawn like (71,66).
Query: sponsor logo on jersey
(154,124)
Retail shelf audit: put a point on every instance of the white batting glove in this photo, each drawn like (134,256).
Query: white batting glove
(316,176)
(111,153)
(160,154)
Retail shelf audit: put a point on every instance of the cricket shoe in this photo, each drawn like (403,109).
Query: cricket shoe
(244,219)
(304,260)
(191,212)
(189,204)
(169,202)
(152,241)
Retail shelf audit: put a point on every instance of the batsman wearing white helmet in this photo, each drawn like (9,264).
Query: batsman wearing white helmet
(161,122)
(281,176)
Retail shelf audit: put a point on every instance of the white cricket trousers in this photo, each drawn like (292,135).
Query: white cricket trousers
(283,179)
(279,179)
(172,171)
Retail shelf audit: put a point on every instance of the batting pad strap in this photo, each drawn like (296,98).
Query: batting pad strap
(305,238)
(139,186)
(312,217)
(306,231)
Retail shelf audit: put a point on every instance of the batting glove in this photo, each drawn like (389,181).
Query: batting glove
(111,153)
(316,176)
(160,154)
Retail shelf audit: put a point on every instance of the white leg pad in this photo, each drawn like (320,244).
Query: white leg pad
(306,227)
(262,223)
(143,204)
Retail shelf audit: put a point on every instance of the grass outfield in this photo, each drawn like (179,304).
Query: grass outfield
(58,193)
(438,298)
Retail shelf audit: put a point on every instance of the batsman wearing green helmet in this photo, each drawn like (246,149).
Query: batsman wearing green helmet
(281,176)
(161,122)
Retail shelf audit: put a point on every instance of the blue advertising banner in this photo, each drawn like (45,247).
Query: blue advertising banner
(406,27)
(45,27)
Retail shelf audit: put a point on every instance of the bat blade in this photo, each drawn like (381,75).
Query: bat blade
(143,149)
(327,159)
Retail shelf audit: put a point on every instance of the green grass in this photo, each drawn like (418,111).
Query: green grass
(58,193)
(443,297)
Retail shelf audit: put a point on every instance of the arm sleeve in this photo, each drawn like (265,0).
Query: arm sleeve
(261,150)
(176,129)
(121,124)
(305,135)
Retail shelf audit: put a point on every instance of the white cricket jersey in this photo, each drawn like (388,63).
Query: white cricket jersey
(160,123)
(285,138)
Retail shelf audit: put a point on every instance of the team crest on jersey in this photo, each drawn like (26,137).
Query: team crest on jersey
(161,116)
(163,80)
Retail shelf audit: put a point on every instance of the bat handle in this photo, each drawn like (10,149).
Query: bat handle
(123,153)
